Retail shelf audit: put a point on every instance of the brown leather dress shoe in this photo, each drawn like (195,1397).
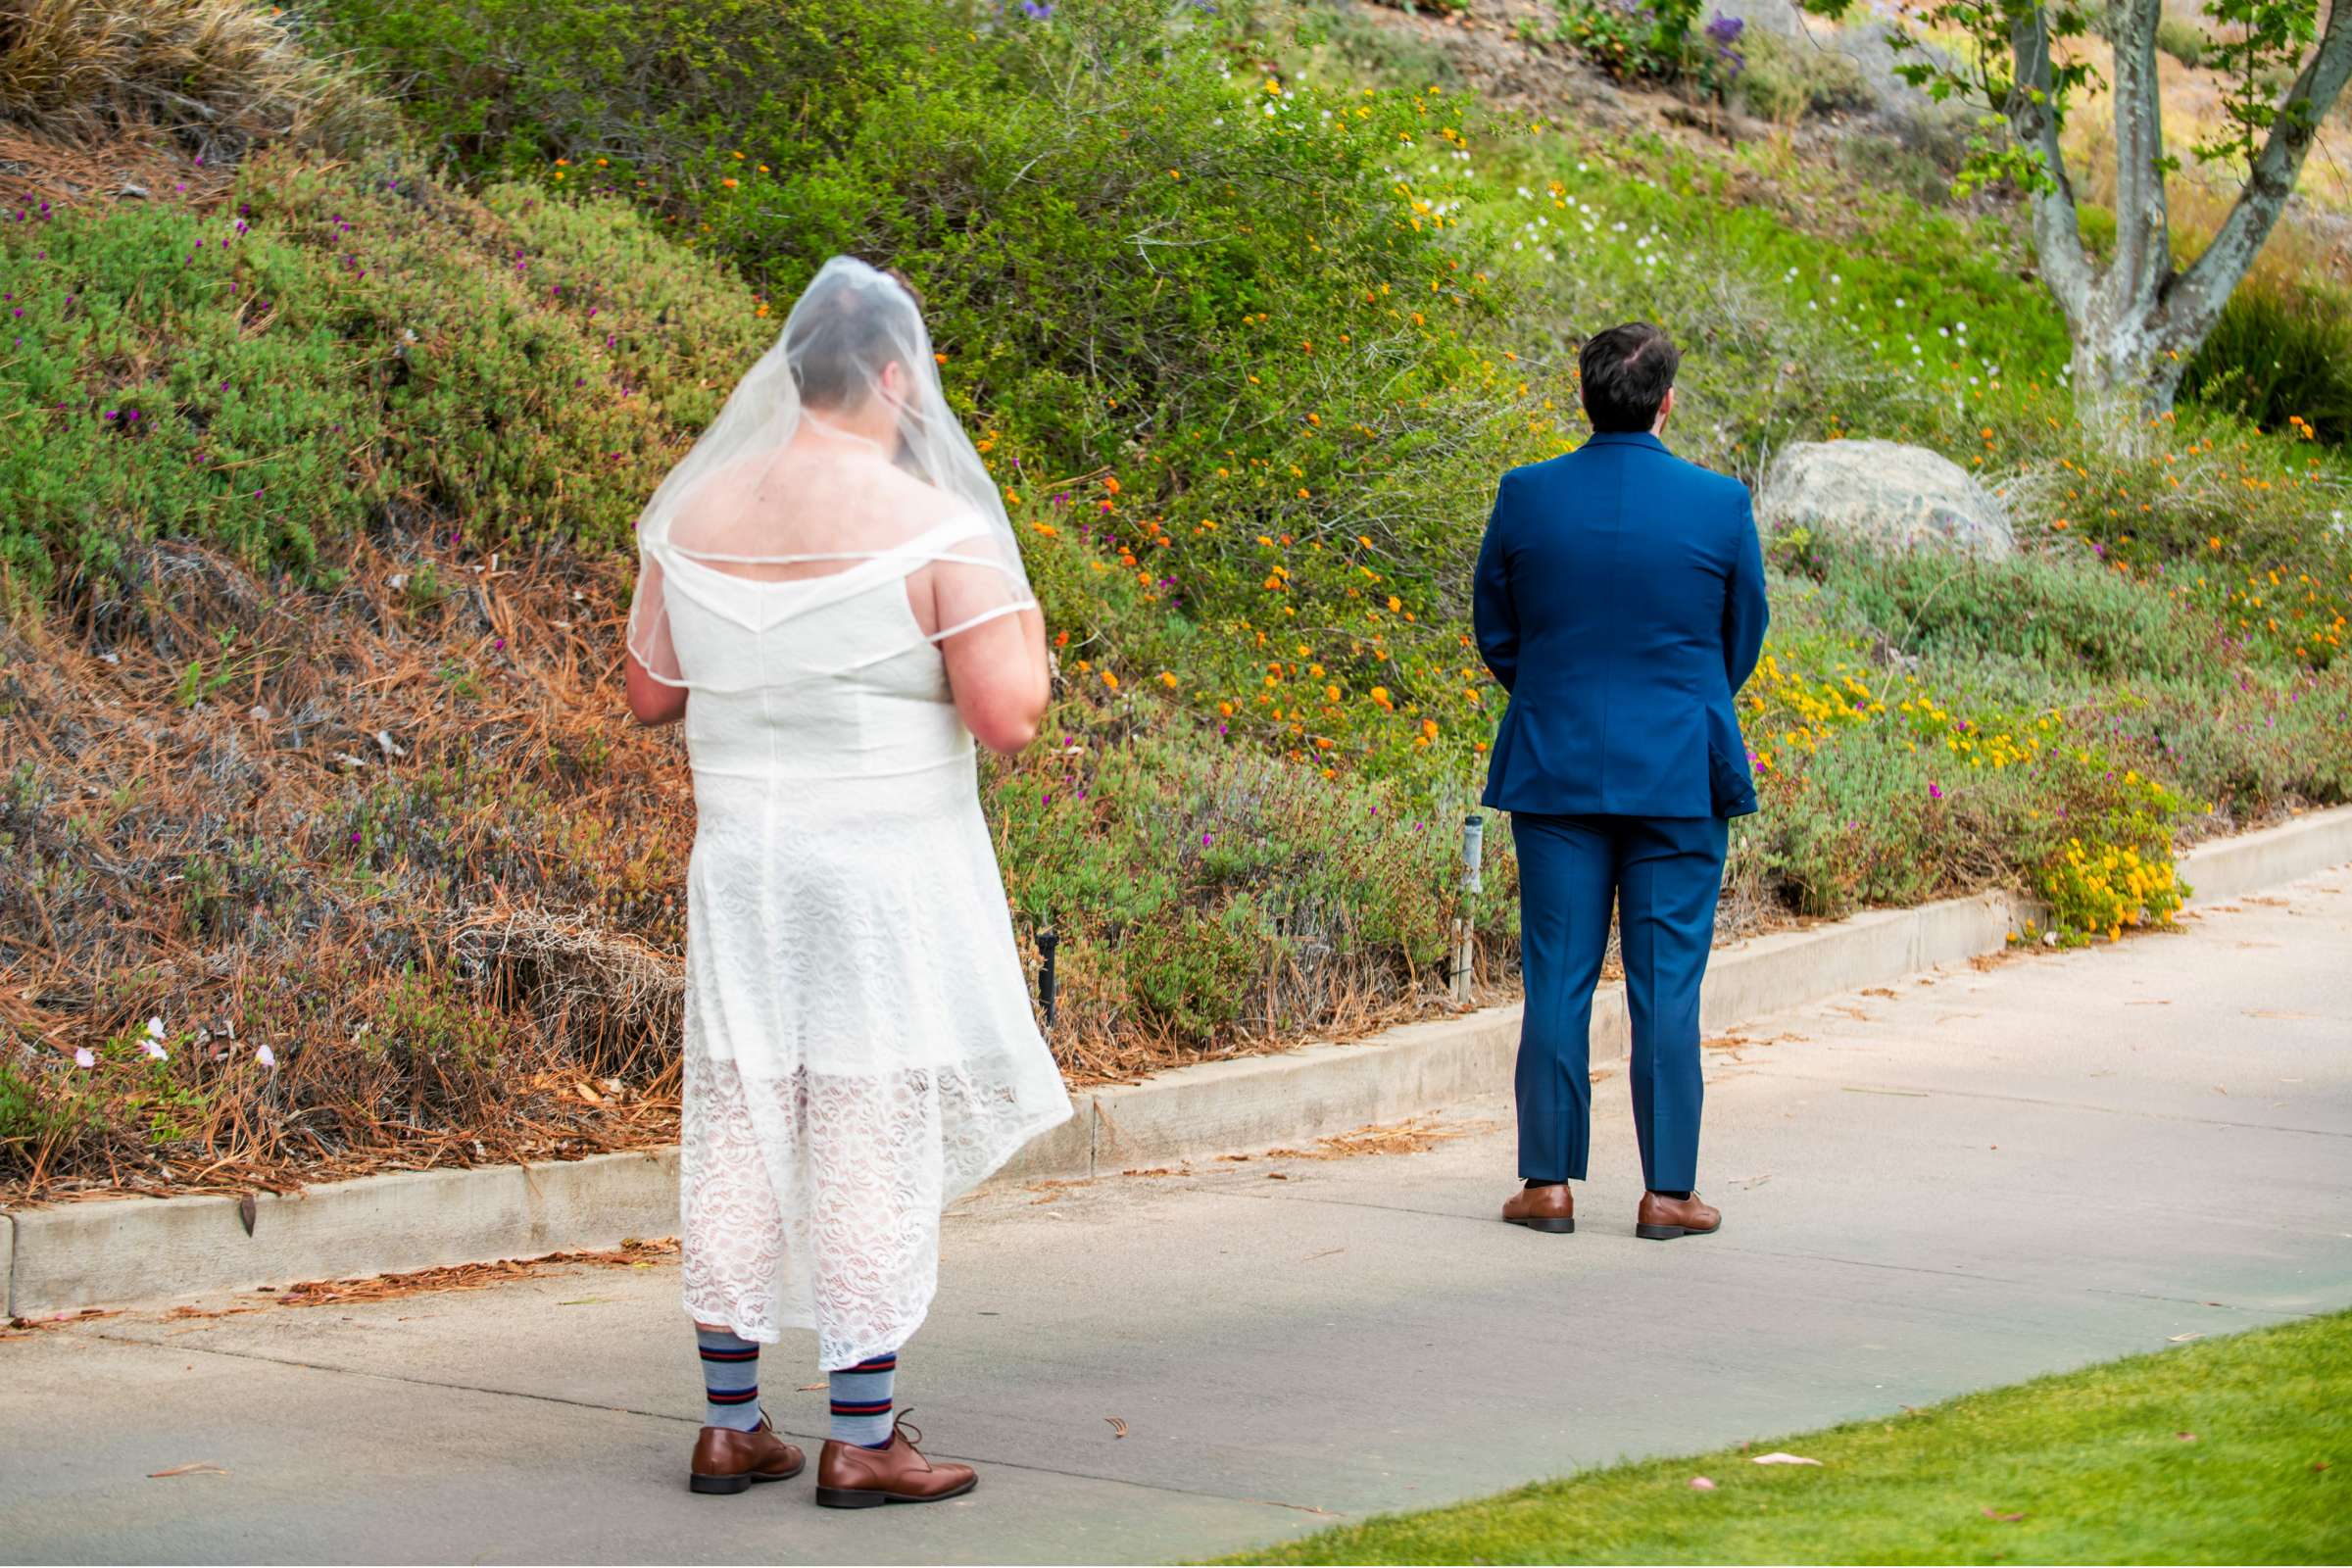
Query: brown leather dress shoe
(852,1476)
(1662,1218)
(727,1462)
(1542,1209)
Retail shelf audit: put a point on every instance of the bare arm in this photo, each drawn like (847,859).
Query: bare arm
(999,678)
(652,702)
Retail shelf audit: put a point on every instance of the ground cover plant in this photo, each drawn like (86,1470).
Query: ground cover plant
(326,845)
(2169,637)
(337,501)
(2138,307)
(2226,1450)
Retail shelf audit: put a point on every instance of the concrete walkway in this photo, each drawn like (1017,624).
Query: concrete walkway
(1964,1180)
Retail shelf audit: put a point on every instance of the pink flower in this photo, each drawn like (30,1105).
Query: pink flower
(85,1057)
(265,1056)
(1934,793)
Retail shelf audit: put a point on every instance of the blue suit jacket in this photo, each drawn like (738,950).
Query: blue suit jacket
(1620,601)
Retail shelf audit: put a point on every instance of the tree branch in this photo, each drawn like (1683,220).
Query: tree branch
(2144,259)
(2196,301)
(2033,121)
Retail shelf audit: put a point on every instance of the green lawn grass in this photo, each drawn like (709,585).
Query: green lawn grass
(2236,1449)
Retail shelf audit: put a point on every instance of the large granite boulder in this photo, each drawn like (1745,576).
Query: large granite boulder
(1863,42)
(1887,494)
(1780,18)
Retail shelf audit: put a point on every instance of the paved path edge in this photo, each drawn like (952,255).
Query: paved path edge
(109,1253)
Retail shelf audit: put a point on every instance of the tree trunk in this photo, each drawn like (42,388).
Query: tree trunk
(2137,322)
(2124,374)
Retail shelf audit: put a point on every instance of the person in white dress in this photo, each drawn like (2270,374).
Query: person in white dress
(830,597)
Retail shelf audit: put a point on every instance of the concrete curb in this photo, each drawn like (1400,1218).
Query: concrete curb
(2222,868)
(107,1253)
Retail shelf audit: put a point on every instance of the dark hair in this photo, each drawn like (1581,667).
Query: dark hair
(840,346)
(905,282)
(1626,373)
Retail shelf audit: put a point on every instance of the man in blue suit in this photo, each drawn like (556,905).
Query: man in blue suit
(1620,601)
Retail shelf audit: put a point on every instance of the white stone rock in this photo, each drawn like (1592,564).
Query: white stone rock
(1884,493)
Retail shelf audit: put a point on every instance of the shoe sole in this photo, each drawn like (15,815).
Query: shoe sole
(1667,1232)
(728,1486)
(1550,1227)
(847,1497)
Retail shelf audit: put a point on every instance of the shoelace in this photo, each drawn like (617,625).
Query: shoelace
(902,1428)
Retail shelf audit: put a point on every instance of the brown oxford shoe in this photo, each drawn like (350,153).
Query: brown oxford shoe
(850,1475)
(727,1462)
(1662,1218)
(1549,1208)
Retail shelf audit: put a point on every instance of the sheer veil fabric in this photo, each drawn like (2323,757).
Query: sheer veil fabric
(775,490)
(859,1047)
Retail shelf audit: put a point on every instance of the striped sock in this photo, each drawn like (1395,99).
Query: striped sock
(861,1402)
(730,1379)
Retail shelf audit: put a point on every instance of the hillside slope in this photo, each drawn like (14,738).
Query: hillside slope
(314,737)
(319,478)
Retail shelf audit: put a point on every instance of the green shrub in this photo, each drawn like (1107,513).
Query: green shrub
(2096,222)
(2182,39)
(340,350)
(1917,168)
(2057,613)
(1379,51)
(1886,789)
(1654,40)
(1247,380)
(2240,747)
(1787,80)
(2283,357)
(1200,883)
(41,1114)
(433,1024)
(1188,305)
(648,85)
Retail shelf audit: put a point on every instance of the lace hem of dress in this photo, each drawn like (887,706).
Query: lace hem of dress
(813,1201)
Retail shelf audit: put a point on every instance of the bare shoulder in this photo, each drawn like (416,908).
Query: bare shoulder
(920,503)
(713,514)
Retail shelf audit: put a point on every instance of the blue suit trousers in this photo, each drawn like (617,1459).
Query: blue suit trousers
(1663,875)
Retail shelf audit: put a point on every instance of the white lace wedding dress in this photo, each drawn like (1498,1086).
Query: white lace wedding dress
(859,1047)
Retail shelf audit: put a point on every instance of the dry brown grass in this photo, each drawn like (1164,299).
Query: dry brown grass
(630,1253)
(25,1328)
(216,76)
(469,1276)
(2313,238)
(1412,1136)
(416,846)
(65,172)
(479,969)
